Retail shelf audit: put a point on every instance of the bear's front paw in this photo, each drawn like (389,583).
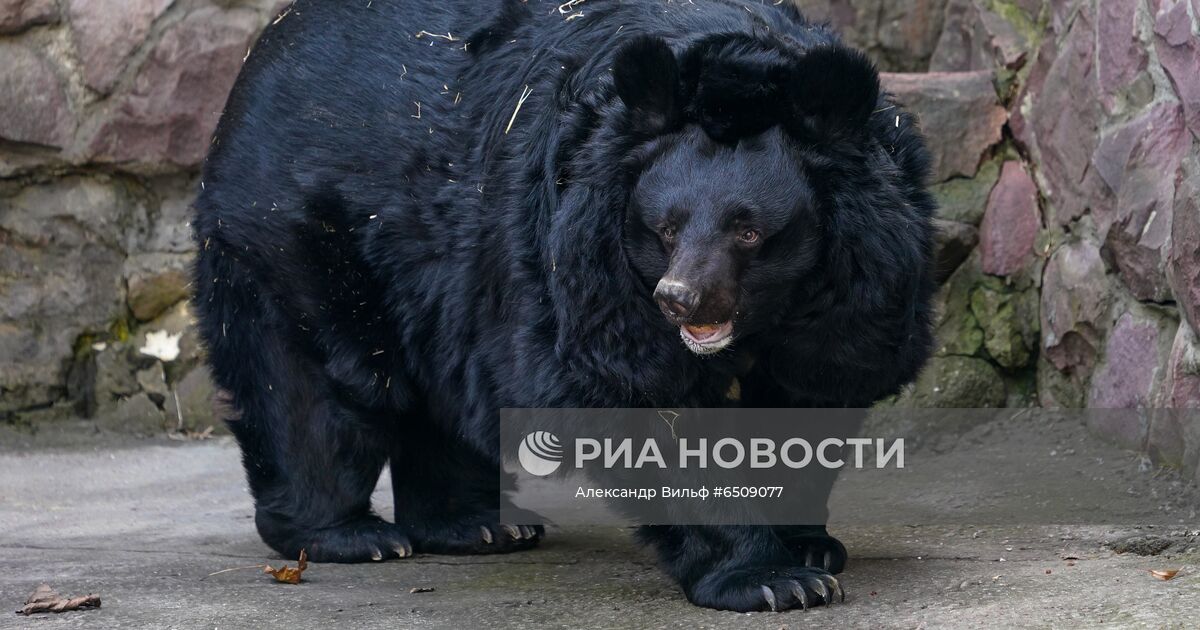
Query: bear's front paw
(363,540)
(775,589)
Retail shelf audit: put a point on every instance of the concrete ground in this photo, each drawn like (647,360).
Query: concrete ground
(144,523)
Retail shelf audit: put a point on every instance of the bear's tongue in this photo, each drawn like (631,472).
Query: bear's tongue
(705,332)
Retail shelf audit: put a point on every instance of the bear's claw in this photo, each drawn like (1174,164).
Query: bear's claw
(767,588)
(470,536)
(818,551)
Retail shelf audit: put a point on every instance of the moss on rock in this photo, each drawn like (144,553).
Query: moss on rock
(957,382)
(1009,322)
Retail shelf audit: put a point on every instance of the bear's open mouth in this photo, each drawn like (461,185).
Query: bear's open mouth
(706,338)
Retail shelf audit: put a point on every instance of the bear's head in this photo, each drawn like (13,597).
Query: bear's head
(754,153)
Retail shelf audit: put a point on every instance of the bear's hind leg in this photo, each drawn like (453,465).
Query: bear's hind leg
(447,497)
(320,497)
(739,567)
(311,462)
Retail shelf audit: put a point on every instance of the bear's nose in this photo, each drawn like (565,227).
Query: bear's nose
(676,298)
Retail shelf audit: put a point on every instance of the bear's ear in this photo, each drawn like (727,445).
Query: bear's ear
(646,76)
(834,90)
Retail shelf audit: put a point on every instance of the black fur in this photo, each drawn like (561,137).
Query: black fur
(385,262)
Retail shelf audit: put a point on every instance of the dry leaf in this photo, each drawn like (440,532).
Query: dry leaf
(188,435)
(1164,574)
(289,575)
(45,599)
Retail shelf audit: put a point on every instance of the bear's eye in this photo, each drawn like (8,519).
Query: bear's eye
(749,236)
(667,232)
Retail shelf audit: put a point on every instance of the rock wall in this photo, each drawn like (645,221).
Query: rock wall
(1072,253)
(105,115)
(1066,163)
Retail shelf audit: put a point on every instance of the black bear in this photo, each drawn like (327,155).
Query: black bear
(416,213)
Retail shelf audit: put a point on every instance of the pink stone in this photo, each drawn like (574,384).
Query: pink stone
(1121,56)
(1032,86)
(1174,436)
(1076,298)
(106,37)
(900,32)
(1004,39)
(959,113)
(1010,223)
(1060,118)
(1179,54)
(18,15)
(1060,13)
(974,37)
(33,105)
(1182,387)
(1132,364)
(168,113)
(1139,234)
(1184,257)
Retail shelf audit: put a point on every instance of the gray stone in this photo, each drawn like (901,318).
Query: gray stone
(116,374)
(1141,545)
(136,414)
(957,382)
(170,229)
(954,242)
(60,278)
(153,381)
(964,199)
(156,282)
(73,212)
(900,35)
(957,331)
(1009,321)
(33,104)
(962,44)
(190,404)
(981,35)
(1059,389)
(907,31)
